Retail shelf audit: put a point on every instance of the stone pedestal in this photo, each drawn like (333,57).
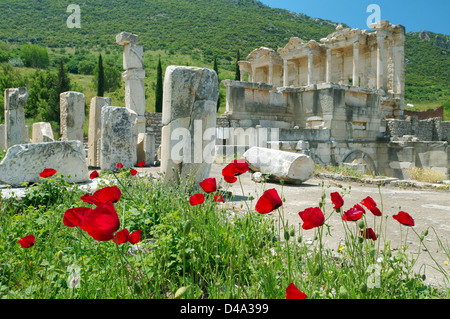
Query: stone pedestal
(15,129)
(189,123)
(72,105)
(118,137)
(95,124)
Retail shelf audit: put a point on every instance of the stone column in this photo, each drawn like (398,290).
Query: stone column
(355,64)
(189,123)
(118,137)
(328,66)
(285,73)
(72,115)
(133,64)
(271,73)
(15,129)
(310,68)
(95,124)
(380,65)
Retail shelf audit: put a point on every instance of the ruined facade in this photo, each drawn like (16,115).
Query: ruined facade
(334,98)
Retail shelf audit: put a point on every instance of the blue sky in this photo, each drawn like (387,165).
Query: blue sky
(415,15)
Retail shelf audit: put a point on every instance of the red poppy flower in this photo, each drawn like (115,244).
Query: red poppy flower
(74,216)
(292,292)
(196,199)
(235,168)
(27,241)
(337,200)
(368,233)
(135,237)
(312,217)
(404,218)
(368,202)
(119,165)
(93,175)
(47,172)
(219,198)
(209,185)
(353,214)
(124,236)
(102,222)
(371,205)
(141,164)
(268,202)
(133,172)
(103,195)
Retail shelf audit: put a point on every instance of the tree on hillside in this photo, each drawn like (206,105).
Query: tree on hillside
(34,56)
(100,78)
(159,88)
(112,77)
(237,76)
(215,68)
(61,84)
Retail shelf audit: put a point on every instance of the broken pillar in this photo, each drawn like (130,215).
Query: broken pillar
(118,137)
(189,123)
(95,123)
(23,163)
(42,132)
(133,64)
(72,105)
(146,150)
(15,130)
(290,167)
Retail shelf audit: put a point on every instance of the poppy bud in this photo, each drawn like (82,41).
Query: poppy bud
(181,292)
(292,233)
(187,227)
(286,235)
(363,287)
(361,224)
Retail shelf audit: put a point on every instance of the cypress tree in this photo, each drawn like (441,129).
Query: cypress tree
(61,84)
(217,71)
(100,77)
(159,88)
(237,77)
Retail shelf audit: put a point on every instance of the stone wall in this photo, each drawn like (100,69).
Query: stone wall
(433,129)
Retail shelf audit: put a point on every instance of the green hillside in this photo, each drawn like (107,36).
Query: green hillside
(186,32)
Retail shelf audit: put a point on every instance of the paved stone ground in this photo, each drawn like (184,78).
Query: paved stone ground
(430,208)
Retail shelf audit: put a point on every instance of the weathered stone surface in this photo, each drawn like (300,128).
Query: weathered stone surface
(189,123)
(133,56)
(42,132)
(126,38)
(23,163)
(72,116)
(2,137)
(280,165)
(95,123)
(118,137)
(15,130)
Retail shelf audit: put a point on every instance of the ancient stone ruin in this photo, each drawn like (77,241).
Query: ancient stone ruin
(189,123)
(343,97)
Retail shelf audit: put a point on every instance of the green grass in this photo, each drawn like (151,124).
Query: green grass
(210,250)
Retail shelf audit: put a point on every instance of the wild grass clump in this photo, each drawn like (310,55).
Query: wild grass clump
(427,175)
(188,243)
